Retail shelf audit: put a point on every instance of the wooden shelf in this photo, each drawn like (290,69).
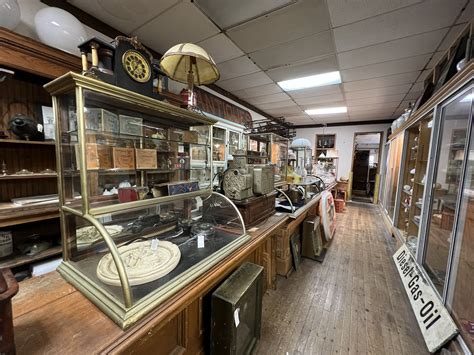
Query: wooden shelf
(11,214)
(27,259)
(29,176)
(17,141)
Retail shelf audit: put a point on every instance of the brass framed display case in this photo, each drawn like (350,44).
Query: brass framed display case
(135,226)
(269,148)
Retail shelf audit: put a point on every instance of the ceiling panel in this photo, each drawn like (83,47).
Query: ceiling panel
(468,14)
(237,67)
(221,48)
(371,118)
(313,46)
(343,12)
(311,16)
(120,15)
(244,82)
(381,82)
(397,49)
(386,68)
(422,76)
(423,17)
(380,107)
(278,104)
(330,119)
(376,99)
(263,90)
(182,23)
(282,111)
(316,91)
(454,32)
(388,90)
(413,95)
(313,67)
(299,121)
(281,96)
(227,13)
(322,99)
(434,60)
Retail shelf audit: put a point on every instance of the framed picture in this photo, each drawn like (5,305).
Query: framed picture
(295,250)
(131,125)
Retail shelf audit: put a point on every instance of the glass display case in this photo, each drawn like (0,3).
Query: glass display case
(136,225)
(394,155)
(269,148)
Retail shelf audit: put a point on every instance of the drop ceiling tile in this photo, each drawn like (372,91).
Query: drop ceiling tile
(453,33)
(343,12)
(319,66)
(397,49)
(423,75)
(352,109)
(328,119)
(227,13)
(182,23)
(237,67)
(322,99)
(281,96)
(120,15)
(370,118)
(419,86)
(278,104)
(468,14)
(303,18)
(244,82)
(376,100)
(285,54)
(386,68)
(434,60)
(388,90)
(300,121)
(263,90)
(423,17)
(221,48)
(381,82)
(413,95)
(282,111)
(316,91)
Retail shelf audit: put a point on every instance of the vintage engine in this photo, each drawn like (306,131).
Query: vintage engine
(242,181)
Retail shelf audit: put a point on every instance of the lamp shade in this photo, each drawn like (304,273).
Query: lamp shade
(179,59)
(301,143)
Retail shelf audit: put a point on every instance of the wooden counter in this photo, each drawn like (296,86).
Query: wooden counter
(51,316)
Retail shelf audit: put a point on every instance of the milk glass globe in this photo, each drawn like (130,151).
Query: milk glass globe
(9,14)
(59,29)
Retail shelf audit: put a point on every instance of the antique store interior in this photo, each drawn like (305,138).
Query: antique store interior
(236,177)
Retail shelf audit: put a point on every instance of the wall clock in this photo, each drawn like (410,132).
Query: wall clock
(136,66)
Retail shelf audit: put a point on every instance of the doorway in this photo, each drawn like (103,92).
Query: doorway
(366,166)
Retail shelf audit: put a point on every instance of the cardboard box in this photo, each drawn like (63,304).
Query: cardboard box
(124,158)
(92,156)
(104,155)
(146,158)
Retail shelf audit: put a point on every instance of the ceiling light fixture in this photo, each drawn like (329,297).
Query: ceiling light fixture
(326,110)
(311,81)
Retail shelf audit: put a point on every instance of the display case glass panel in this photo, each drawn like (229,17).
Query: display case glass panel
(219,143)
(136,225)
(454,122)
(234,141)
(269,148)
(392,174)
(462,305)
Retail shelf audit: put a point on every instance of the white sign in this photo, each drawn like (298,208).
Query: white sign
(48,123)
(433,319)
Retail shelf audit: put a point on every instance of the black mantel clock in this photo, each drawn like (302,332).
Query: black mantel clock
(125,63)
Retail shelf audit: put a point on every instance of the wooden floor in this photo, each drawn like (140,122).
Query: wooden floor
(353,302)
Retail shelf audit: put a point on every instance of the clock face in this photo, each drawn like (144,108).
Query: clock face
(136,66)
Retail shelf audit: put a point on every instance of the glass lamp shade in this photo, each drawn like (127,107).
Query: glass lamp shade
(301,143)
(59,29)
(9,14)
(179,59)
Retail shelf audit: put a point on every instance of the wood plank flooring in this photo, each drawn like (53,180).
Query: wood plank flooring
(352,303)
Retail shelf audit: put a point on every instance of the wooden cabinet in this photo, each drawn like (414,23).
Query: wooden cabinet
(34,227)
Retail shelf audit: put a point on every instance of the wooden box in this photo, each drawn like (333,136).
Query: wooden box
(256,209)
(104,156)
(146,158)
(124,158)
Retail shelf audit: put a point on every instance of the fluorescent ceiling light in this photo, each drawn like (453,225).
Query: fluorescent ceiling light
(306,82)
(326,110)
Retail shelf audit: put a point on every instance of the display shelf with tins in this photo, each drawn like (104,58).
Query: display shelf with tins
(136,227)
(269,148)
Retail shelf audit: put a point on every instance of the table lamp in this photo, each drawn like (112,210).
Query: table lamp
(189,64)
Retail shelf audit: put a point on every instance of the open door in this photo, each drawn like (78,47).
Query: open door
(365,172)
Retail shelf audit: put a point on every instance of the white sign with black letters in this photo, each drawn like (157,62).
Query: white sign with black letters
(433,319)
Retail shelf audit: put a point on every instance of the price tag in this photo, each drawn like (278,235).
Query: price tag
(236,317)
(200,241)
(154,244)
